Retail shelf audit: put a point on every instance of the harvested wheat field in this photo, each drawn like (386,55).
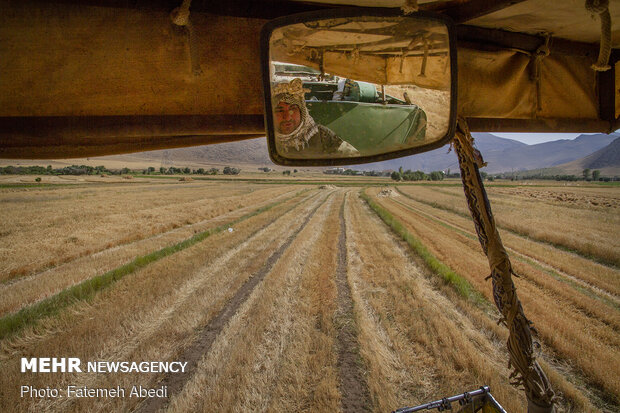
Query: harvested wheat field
(287,298)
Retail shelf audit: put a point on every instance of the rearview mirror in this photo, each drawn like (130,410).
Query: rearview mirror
(357,86)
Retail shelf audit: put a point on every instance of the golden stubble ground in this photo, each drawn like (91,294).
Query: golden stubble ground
(277,352)
(420,346)
(20,291)
(572,299)
(577,218)
(149,315)
(418,340)
(46,227)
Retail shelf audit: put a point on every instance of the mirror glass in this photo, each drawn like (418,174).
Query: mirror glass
(356,87)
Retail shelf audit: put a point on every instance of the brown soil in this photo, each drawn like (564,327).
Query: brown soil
(353,386)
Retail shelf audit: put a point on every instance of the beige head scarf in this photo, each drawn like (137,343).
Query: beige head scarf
(293,93)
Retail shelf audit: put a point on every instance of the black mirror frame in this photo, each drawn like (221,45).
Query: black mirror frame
(265,36)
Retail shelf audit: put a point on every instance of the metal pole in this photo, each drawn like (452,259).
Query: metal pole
(446,402)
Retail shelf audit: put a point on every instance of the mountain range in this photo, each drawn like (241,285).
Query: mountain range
(506,155)
(605,160)
(501,154)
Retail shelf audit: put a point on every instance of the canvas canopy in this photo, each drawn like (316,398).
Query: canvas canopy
(103,77)
(380,50)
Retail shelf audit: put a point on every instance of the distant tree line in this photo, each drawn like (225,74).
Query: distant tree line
(287,172)
(375,173)
(409,175)
(586,175)
(182,171)
(100,170)
(231,171)
(353,172)
(67,170)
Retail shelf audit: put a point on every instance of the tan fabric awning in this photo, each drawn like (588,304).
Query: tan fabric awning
(73,62)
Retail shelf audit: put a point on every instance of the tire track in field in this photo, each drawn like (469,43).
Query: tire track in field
(353,385)
(207,336)
(419,343)
(599,341)
(582,302)
(28,285)
(575,254)
(563,366)
(515,231)
(601,294)
(374,338)
(584,306)
(161,314)
(144,327)
(243,368)
(45,269)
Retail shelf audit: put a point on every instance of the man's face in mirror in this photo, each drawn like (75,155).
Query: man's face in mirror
(287,117)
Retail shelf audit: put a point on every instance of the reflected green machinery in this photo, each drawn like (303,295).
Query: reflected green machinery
(357,112)
(364,118)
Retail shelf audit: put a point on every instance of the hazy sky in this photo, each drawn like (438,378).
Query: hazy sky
(534,138)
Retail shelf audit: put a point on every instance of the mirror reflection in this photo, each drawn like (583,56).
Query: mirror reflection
(360,86)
